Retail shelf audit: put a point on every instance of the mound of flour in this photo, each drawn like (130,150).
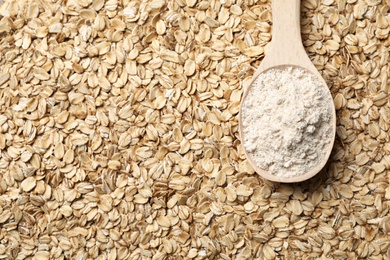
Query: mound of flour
(286,121)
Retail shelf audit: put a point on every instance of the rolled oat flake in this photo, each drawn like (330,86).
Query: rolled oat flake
(285,120)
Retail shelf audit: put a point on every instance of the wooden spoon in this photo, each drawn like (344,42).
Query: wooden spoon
(286,49)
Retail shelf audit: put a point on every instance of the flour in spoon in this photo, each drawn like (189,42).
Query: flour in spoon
(286,120)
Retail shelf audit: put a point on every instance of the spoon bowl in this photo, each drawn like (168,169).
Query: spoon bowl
(286,49)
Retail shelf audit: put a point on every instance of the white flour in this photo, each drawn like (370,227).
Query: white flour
(286,121)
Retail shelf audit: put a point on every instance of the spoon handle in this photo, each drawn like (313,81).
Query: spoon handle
(286,27)
(286,47)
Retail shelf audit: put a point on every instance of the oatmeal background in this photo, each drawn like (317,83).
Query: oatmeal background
(119,132)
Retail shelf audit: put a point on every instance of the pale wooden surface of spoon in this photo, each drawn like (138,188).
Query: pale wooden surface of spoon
(286,49)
